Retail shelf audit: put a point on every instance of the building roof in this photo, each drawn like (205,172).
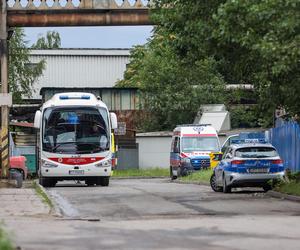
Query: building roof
(80,52)
(155,134)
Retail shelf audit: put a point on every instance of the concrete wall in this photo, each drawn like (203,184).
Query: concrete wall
(154,152)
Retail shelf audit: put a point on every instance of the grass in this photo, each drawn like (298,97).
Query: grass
(40,192)
(5,243)
(292,188)
(152,172)
(199,176)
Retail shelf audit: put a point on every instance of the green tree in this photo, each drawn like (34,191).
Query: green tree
(50,41)
(266,38)
(173,77)
(22,73)
(235,41)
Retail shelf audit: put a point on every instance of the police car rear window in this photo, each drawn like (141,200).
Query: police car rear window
(256,152)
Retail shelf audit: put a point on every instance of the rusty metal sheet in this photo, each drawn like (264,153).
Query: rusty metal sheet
(78,18)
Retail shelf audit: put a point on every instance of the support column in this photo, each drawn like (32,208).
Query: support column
(4,89)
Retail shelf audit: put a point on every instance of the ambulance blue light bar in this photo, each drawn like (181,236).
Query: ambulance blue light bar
(66,97)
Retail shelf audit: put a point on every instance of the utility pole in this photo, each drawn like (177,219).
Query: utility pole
(4,89)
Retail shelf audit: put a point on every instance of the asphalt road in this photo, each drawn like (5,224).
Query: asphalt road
(157,214)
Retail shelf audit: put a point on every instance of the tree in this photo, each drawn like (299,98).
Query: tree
(50,41)
(22,73)
(174,79)
(266,38)
(235,41)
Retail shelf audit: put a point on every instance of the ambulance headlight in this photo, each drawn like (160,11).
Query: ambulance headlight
(185,161)
(103,164)
(47,164)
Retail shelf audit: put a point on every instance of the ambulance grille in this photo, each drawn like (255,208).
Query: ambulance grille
(200,163)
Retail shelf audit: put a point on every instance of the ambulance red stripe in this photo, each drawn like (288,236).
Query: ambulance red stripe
(199,135)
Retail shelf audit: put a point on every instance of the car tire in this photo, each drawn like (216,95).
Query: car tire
(226,188)
(104,181)
(213,184)
(267,188)
(173,177)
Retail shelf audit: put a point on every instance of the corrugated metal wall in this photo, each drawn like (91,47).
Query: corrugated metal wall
(286,139)
(67,68)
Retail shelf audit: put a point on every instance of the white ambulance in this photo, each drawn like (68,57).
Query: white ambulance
(191,148)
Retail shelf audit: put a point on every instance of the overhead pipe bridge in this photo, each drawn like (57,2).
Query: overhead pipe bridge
(52,13)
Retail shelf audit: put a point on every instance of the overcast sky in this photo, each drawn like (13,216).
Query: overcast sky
(95,37)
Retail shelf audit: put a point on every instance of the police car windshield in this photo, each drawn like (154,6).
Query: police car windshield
(256,152)
(190,144)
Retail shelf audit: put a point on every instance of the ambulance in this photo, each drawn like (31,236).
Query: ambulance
(192,149)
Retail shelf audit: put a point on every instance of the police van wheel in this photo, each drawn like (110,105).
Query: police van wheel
(173,177)
(226,188)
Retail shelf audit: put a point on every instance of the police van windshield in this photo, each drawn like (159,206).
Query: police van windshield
(256,152)
(75,130)
(190,144)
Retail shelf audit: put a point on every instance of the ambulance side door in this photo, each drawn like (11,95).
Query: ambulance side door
(175,152)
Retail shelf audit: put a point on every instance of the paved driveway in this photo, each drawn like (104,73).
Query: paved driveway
(157,214)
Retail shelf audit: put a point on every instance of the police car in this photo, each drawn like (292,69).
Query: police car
(247,164)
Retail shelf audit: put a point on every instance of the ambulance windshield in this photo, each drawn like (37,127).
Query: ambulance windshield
(191,144)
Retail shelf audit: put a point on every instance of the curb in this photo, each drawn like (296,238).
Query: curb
(202,183)
(139,177)
(55,210)
(283,196)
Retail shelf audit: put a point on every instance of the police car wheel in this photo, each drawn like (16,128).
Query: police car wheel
(226,188)
(267,188)
(213,184)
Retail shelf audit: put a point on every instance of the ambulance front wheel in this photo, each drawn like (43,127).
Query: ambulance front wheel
(172,176)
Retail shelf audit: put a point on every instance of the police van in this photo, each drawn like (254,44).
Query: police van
(191,148)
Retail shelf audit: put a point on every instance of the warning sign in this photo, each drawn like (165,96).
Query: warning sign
(121,130)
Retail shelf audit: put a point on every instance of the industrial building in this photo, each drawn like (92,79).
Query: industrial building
(81,68)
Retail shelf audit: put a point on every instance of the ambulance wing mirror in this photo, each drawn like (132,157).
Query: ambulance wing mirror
(114,121)
(37,119)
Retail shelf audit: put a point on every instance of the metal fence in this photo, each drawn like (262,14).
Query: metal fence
(128,158)
(286,139)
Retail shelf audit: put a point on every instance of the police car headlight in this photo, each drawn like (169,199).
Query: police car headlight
(103,164)
(47,164)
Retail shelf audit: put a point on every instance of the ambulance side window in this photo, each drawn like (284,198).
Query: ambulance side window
(176,148)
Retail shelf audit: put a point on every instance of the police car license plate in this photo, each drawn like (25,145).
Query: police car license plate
(76,172)
(258,170)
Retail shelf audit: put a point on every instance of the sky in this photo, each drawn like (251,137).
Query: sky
(95,37)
